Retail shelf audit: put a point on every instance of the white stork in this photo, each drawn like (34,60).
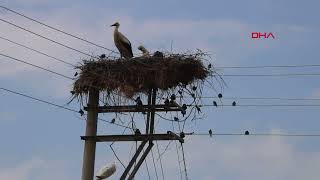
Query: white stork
(122,43)
(106,171)
(145,52)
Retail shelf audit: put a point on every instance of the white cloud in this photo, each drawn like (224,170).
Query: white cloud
(251,158)
(37,169)
(21,171)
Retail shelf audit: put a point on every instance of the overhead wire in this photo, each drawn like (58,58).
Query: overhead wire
(253,134)
(184,162)
(46,38)
(271,75)
(294,74)
(100,46)
(154,165)
(56,105)
(226,75)
(159,157)
(39,52)
(45,69)
(268,66)
(36,66)
(56,29)
(259,98)
(261,105)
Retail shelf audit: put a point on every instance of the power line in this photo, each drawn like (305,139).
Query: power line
(59,74)
(260,98)
(184,162)
(271,75)
(154,165)
(226,75)
(39,52)
(36,66)
(56,105)
(262,105)
(51,40)
(59,30)
(37,99)
(32,49)
(253,134)
(162,172)
(100,46)
(268,66)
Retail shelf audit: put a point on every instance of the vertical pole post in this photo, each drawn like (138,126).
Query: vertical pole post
(153,103)
(148,113)
(91,130)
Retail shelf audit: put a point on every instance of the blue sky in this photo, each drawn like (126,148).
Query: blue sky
(42,142)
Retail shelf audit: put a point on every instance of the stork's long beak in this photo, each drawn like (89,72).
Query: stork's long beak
(113,25)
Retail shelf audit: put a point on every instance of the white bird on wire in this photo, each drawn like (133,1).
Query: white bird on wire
(145,52)
(122,43)
(106,171)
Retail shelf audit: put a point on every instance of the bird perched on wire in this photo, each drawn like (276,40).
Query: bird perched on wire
(138,101)
(210,133)
(173,98)
(137,132)
(158,54)
(81,112)
(215,104)
(106,171)
(145,52)
(113,120)
(102,56)
(122,43)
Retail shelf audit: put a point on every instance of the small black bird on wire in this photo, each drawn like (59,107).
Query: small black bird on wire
(215,104)
(102,56)
(138,101)
(210,133)
(137,132)
(113,120)
(81,112)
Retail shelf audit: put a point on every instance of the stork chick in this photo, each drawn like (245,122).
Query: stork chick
(122,43)
(145,52)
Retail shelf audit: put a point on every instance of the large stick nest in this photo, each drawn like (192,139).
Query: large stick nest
(139,74)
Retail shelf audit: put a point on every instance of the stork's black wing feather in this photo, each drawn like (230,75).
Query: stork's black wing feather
(126,43)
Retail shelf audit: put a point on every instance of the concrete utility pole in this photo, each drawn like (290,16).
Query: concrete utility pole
(91,130)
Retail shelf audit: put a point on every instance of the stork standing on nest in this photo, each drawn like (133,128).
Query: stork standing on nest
(145,52)
(122,43)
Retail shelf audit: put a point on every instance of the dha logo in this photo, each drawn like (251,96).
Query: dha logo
(262,35)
